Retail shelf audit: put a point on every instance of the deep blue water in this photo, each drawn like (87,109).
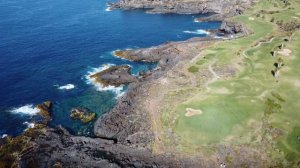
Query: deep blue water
(49,43)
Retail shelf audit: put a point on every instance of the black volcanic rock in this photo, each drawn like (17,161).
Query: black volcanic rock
(229,27)
(115,76)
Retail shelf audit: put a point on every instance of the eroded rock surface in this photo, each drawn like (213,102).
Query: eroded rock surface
(57,146)
(115,76)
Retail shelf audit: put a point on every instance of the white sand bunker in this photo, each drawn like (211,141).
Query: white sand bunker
(285,52)
(192,112)
(297,83)
(251,18)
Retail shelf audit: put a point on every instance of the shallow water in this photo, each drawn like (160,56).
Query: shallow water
(47,48)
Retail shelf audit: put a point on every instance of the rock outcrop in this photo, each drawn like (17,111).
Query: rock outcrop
(82,114)
(115,76)
(230,27)
(45,111)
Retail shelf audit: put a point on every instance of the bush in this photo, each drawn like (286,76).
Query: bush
(193,69)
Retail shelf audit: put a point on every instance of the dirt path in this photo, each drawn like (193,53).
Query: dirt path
(215,75)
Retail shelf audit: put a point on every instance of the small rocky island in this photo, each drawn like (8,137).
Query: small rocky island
(82,114)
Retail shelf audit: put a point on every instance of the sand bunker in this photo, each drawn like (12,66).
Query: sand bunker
(285,52)
(192,112)
(297,83)
(251,18)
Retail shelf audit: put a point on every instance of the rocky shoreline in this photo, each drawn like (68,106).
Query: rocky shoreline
(221,7)
(124,135)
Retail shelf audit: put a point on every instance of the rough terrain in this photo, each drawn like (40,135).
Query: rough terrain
(223,7)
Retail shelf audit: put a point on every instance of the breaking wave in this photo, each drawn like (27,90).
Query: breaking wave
(66,87)
(119,91)
(28,109)
(199,31)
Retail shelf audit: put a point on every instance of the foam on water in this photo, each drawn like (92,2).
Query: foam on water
(28,109)
(220,37)
(66,87)
(117,90)
(29,125)
(4,135)
(199,31)
(108,9)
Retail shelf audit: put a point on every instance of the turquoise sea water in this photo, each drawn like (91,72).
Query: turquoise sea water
(48,47)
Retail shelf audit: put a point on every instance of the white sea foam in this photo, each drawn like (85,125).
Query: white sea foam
(120,94)
(66,87)
(29,125)
(220,37)
(199,31)
(28,109)
(196,20)
(4,135)
(108,9)
(117,90)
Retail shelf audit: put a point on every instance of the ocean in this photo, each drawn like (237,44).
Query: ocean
(48,48)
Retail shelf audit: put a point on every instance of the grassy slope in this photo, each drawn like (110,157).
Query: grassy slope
(234,109)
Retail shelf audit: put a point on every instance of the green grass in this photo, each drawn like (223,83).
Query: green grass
(193,69)
(233,109)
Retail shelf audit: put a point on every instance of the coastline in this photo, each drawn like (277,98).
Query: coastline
(125,133)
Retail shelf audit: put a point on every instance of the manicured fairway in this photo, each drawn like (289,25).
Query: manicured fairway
(243,108)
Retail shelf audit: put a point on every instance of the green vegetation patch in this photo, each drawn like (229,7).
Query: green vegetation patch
(193,69)
(293,139)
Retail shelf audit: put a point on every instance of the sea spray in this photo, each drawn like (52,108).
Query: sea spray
(117,90)
(28,109)
(66,87)
(199,32)
(28,125)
